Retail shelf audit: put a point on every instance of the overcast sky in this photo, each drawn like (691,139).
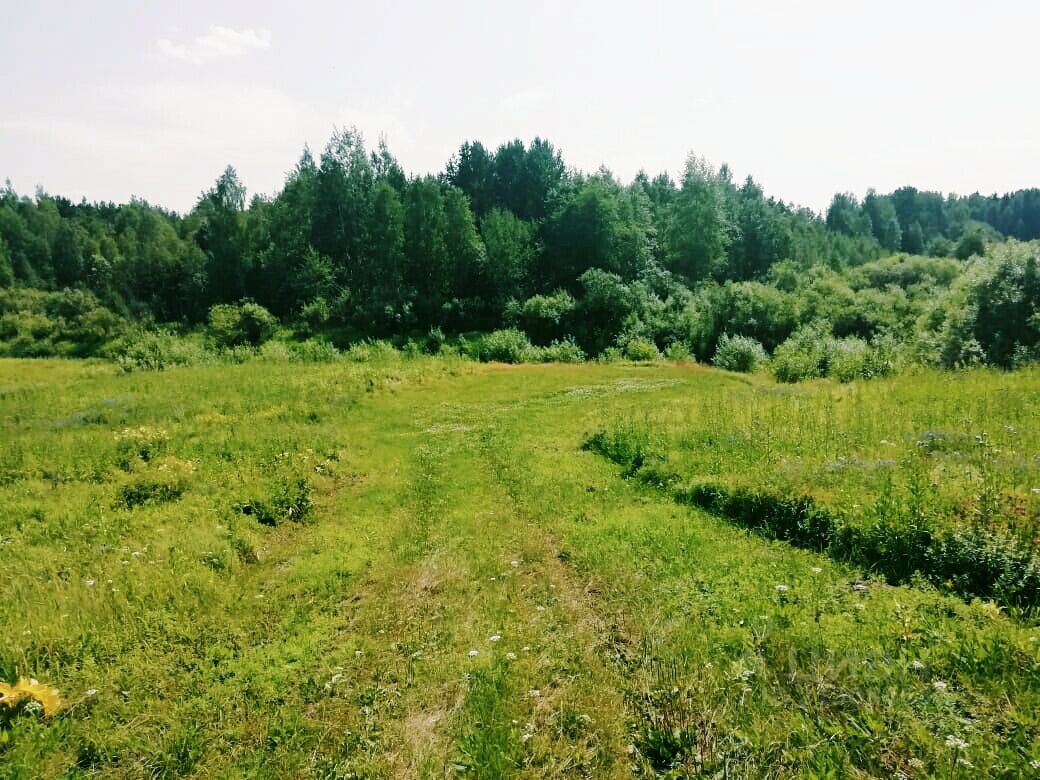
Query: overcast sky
(111,99)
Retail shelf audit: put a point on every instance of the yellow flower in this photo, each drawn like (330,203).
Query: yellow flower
(47,697)
(10,695)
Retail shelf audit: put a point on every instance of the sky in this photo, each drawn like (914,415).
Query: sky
(110,100)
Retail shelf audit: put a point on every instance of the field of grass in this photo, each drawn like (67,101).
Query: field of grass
(422,568)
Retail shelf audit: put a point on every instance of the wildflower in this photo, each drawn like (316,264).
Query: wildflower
(474,653)
(540,608)
(137,553)
(709,665)
(526,736)
(525,648)
(816,569)
(965,762)
(955,742)
(494,638)
(514,564)
(92,691)
(781,588)
(1034,764)
(939,685)
(90,583)
(631,748)
(534,693)
(31,691)
(860,587)
(511,656)
(917,666)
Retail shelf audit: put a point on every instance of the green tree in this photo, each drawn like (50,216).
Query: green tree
(510,253)
(698,231)
(425,228)
(220,236)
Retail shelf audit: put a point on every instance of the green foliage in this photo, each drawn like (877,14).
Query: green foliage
(503,346)
(565,351)
(640,350)
(288,500)
(812,352)
(739,353)
(69,323)
(972,243)
(156,350)
(244,324)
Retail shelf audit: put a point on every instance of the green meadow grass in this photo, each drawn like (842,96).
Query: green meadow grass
(413,568)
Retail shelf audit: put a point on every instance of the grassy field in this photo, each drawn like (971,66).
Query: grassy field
(420,568)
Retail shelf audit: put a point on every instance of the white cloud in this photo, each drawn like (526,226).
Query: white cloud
(218,43)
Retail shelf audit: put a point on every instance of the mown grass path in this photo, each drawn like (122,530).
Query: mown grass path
(472,595)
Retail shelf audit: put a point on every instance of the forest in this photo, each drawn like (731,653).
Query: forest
(512,255)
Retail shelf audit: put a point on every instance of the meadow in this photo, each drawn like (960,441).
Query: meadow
(409,566)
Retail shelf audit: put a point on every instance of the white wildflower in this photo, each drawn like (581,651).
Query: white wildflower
(781,588)
(955,742)
(92,691)
(534,693)
(511,656)
(939,685)
(494,638)
(816,569)
(473,653)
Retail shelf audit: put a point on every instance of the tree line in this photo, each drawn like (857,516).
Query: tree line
(512,238)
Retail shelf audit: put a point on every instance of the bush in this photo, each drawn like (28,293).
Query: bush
(739,353)
(641,350)
(156,350)
(677,350)
(541,315)
(313,351)
(565,351)
(812,352)
(504,346)
(371,351)
(314,315)
(247,324)
(289,499)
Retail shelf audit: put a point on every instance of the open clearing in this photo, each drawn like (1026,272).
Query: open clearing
(414,569)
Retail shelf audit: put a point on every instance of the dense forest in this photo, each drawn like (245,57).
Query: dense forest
(515,244)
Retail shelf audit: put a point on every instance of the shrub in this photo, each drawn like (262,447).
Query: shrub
(313,351)
(541,315)
(641,350)
(371,351)
(812,352)
(245,324)
(504,346)
(677,350)
(315,314)
(739,353)
(289,499)
(565,351)
(156,350)
(163,482)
